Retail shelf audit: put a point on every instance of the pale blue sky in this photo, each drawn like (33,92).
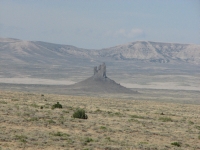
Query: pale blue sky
(101,23)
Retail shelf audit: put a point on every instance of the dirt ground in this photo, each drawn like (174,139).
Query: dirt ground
(27,121)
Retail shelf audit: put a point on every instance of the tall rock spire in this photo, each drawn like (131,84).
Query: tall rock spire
(101,71)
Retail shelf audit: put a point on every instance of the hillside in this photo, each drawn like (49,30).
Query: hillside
(155,52)
(20,50)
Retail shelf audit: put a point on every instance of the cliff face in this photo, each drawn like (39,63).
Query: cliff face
(100,83)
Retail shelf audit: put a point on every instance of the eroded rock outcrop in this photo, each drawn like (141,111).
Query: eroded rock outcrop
(100,83)
(101,71)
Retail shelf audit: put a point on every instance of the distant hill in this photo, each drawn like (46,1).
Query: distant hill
(36,59)
(28,51)
(155,52)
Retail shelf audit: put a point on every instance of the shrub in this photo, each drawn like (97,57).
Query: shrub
(34,105)
(103,128)
(178,144)
(59,134)
(162,113)
(33,119)
(98,110)
(21,138)
(88,140)
(56,106)
(198,127)
(65,111)
(108,138)
(3,102)
(191,123)
(80,113)
(165,119)
(136,116)
(51,121)
(118,114)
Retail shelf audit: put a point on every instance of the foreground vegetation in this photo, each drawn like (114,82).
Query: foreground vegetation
(35,121)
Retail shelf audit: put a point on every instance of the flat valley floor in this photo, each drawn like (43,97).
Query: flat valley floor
(27,121)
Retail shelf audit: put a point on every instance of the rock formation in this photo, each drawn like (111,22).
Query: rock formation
(100,72)
(100,83)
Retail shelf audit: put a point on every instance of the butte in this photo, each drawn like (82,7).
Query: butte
(100,83)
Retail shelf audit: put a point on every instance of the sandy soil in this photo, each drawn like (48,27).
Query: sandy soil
(35,81)
(160,85)
(150,85)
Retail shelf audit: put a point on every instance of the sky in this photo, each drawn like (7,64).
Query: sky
(97,24)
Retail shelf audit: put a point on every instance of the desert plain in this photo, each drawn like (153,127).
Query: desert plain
(114,123)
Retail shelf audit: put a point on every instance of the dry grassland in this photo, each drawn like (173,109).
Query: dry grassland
(112,124)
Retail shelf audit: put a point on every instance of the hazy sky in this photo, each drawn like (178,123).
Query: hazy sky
(101,23)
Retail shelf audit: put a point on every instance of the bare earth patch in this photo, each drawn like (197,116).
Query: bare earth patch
(27,121)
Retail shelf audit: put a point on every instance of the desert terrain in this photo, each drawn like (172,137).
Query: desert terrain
(29,122)
(163,112)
